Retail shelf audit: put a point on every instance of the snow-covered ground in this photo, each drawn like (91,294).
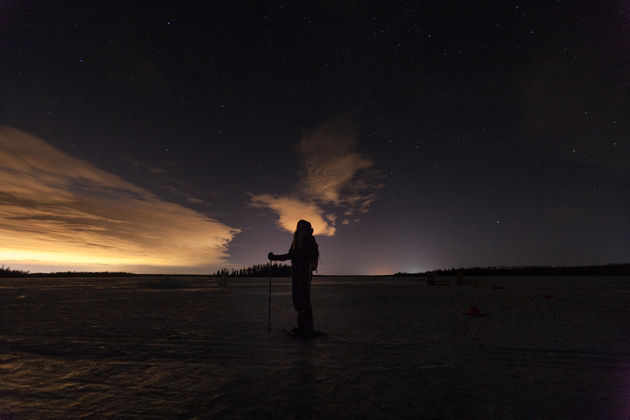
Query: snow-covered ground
(141,347)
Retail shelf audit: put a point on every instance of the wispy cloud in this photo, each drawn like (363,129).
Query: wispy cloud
(167,183)
(334,177)
(140,165)
(57,210)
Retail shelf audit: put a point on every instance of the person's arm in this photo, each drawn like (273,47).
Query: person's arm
(281,257)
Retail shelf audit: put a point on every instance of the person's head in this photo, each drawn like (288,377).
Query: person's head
(304,226)
(302,231)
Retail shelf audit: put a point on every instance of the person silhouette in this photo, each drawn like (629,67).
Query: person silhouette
(304,256)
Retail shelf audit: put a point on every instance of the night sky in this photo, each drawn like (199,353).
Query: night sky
(184,137)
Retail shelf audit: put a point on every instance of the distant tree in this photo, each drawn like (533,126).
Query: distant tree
(257,270)
(7,272)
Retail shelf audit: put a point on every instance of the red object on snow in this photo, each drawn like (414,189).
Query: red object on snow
(474,311)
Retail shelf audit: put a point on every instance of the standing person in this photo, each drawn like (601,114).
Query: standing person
(304,255)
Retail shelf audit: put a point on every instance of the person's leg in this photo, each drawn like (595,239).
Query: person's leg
(307,318)
(300,321)
(308,308)
(295,293)
(296,300)
(301,292)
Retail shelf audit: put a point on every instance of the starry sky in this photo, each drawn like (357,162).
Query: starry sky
(182,137)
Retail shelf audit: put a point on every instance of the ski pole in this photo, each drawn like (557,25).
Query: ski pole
(269,310)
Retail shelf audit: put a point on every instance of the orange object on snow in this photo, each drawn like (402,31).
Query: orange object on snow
(474,311)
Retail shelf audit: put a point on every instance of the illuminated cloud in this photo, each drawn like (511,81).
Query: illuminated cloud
(60,211)
(291,210)
(334,177)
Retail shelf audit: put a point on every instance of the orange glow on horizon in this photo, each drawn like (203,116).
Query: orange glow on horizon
(70,257)
(62,211)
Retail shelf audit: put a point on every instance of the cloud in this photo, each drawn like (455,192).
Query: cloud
(290,210)
(166,180)
(331,163)
(138,164)
(333,177)
(57,210)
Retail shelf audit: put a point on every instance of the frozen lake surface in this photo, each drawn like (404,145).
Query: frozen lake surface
(396,348)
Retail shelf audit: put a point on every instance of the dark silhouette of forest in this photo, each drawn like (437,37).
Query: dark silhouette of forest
(7,272)
(283,270)
(586,270)
(257,270)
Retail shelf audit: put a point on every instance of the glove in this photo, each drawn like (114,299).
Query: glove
(271,256)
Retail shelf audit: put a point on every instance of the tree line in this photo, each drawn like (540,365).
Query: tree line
(257,270)
(586,270)
(8,272)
